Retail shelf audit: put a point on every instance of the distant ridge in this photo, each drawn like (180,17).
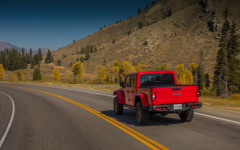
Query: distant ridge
(4,45)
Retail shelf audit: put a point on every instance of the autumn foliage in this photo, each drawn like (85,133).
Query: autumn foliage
(2,74)
(56,74)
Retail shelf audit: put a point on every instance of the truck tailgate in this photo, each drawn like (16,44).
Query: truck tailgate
(175,95)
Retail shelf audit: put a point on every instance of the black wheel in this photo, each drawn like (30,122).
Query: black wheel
(142,115)
(118,108)
(187,116)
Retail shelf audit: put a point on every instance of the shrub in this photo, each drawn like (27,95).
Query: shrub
(64,56)
(59,63)
(140,25)
(12,77)
(145,43)
(78,70)
(20,75)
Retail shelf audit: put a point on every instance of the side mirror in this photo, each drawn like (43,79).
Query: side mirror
(122,84)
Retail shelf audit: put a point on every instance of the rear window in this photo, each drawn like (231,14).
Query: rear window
(157,79)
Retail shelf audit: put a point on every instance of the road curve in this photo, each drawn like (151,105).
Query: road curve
(44,121)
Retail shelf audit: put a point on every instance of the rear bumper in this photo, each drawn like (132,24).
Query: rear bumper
(169,108)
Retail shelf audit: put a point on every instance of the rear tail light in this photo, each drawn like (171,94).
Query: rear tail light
(192,106)
(153,96)
(198,93)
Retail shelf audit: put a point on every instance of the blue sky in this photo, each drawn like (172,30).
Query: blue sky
(56,23)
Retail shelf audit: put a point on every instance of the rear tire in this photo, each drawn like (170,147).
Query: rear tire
(142,116)
(118,108)
(187,116)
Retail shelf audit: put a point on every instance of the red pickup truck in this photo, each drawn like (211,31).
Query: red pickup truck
(156,92)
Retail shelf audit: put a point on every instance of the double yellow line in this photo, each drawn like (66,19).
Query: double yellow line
(145,140)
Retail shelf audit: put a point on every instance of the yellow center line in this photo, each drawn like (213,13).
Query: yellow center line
(145,140)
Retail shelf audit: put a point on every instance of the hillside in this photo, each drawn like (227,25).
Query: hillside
(176,32)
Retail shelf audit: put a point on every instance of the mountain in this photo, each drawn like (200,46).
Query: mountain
(4,45)
(170,32)
(44,50)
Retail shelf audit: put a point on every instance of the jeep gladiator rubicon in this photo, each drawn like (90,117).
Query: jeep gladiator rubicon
(156,92)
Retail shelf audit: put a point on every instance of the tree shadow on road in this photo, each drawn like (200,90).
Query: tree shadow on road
(129,117)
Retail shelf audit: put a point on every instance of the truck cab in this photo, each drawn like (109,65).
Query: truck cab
(156,92)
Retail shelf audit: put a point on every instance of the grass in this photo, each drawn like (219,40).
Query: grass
(99,87)
(232,103)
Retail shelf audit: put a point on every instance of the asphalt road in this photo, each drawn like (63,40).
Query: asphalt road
(50,122)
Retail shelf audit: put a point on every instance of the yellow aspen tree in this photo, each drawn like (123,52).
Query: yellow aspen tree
(189,77)
(56,74)
(193,69)
(20,75)
(101,72)
(115,74)
(108,80)
(163,67)
(142,67)
(127,67)
(2,73)
(180,74)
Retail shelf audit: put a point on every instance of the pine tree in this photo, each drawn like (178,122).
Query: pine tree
(40,58)
(221,68)
(56,74)
(37,74)
(30,56)
(49,58)
(200,73)
(87,57)
(33,63)
(139,11)
(207,80)
(2,73)
(233,62)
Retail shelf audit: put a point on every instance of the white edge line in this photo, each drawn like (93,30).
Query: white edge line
(217,118)
(10,121)
(200,114)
